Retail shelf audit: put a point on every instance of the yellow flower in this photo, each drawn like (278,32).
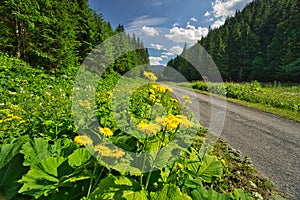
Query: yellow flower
(118,153)
(172,122)
(83,140)
(223,161)
(103,150)
(187,101)
(149,129)
(1,121)
(151,91)
(186,97)
(174,100)
(162,88)
(160,120)
(180,166)
(106,131)
(184,121)
(85,104)
(8,119)
(107,152)
(150,76)
(152,97)
(16,117)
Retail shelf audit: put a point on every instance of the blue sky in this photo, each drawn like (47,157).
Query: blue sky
(165,25)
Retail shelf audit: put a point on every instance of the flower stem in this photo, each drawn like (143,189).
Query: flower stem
(144,162)
(91,182)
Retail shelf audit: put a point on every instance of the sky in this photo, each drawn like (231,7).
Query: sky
(165,26)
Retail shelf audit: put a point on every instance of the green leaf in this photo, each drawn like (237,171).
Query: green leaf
(193,163)
(240,194)
(8,151)
(165,155)
(169,192)
(42,178)
(35,151)
(203,194)
(49,122)
(39,149)
(63,147)
(10,174)
(122,187)
(124,168)
(51,164)
(193,183)
(210,169)
(79,157)
(78,177)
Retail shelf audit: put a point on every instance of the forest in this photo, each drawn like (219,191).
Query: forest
(60,34)
(261,42)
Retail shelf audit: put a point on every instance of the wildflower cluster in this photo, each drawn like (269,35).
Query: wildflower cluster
(157,91)
(10,117)
(107,152)
(162,88)
(150,76)
(85,103)
(153,96)
(84,140)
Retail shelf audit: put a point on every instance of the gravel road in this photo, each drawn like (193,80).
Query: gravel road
(272,142)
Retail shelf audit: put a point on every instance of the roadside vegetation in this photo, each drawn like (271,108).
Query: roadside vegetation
(43,157)
(276,98)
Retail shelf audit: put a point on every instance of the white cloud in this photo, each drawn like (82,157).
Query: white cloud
(138,23)
(157,3)
(194,19)
(150,31)
(167,54)
(175,24)
(228,7)
(218,23)
(158,46)
(155,60)
(221,9)
(190,34)
(176,50)
(207,14)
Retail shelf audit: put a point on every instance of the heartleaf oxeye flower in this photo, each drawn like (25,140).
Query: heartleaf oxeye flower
(106,131)
(83,140)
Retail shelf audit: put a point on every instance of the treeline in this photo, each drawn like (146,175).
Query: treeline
(60,34)
(261,42)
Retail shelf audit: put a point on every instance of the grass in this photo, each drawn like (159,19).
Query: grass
(283,101)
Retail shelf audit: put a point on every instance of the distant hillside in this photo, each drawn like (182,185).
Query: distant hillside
(262,42)
(158,68)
